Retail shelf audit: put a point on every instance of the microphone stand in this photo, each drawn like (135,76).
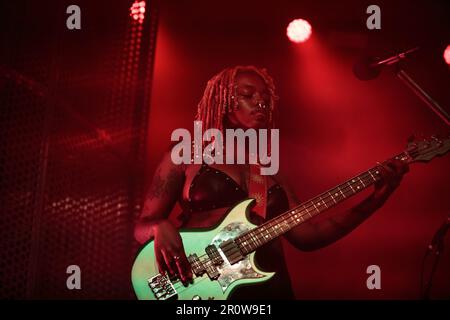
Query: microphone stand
(425,97)
(436,247)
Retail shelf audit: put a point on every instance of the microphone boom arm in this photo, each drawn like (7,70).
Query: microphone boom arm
(425,97)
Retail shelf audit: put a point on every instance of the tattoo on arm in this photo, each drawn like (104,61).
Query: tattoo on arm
(164,187)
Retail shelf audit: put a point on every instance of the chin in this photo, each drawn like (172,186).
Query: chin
(260,125)
(254,125)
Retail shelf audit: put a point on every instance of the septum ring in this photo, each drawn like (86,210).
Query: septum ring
(262,106)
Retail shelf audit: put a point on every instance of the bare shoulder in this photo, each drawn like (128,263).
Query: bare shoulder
(166,165)
(168,178)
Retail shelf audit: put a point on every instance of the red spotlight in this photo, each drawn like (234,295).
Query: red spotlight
(137,11)
(447,55)
(299,30)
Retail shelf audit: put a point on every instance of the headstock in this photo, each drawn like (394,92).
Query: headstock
(424,150)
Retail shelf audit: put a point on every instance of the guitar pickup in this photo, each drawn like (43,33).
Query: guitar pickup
(197,266)
(231,251)
(214,255)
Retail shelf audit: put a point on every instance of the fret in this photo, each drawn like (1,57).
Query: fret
(315,207)
(332,197)
(351,187)
(253,238)
(343,195)
(318,204)
(307,211)
(275,229)
(374,179)
(269,230)
(249,243)
(269,235)
(361,181)
(278,226)
(295,217)
(348,192)
(259,236)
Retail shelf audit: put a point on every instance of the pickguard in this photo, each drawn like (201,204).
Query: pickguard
(243,269)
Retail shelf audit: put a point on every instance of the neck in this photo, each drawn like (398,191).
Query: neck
(272,229)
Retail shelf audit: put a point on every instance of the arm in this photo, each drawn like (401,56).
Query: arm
(160,199)
(315,235)
(153,223)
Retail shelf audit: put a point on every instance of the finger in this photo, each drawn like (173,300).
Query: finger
(168,258)
(384,171)
(399,169)
(162,267)
(183,267)
(181,270)
(386,175)
(402,167)
(393,175)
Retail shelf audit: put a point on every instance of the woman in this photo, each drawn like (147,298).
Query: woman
(240,97)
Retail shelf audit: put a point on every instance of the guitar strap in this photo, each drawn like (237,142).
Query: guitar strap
(257,189)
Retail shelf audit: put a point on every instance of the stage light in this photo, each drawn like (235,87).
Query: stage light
(137,11)
(447,55)
(299,30)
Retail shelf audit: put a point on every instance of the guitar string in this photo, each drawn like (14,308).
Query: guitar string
(296,213)
(299,212)
(290,215)
(178,285)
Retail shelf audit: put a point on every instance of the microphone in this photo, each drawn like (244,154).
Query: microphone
(368,68)
(439,235)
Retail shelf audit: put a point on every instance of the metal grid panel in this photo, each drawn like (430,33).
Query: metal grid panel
(72,150)
(20,167)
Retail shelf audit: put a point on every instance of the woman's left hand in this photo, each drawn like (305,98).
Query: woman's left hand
(391,173)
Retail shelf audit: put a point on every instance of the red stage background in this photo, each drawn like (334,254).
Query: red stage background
(85,112)
(332,125)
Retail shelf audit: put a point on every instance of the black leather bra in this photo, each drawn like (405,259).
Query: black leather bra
(212,188)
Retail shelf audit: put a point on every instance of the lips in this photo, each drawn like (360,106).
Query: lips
(260,115)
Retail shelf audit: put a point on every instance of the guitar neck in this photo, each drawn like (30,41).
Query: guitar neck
(255,238)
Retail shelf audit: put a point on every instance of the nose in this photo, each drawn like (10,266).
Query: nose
(259,101)
(261,105)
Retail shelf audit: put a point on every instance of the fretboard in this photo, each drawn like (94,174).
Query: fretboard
(253,239)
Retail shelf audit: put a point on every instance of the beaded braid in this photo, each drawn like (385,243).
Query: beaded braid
(219,97)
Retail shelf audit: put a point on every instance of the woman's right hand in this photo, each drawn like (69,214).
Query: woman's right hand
(169,251)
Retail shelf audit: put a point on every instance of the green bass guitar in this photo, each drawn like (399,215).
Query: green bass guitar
(222,258)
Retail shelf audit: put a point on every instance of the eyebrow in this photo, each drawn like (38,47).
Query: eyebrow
(246,86)
(249,86)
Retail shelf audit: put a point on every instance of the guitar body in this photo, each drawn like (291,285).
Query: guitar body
(244,272)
